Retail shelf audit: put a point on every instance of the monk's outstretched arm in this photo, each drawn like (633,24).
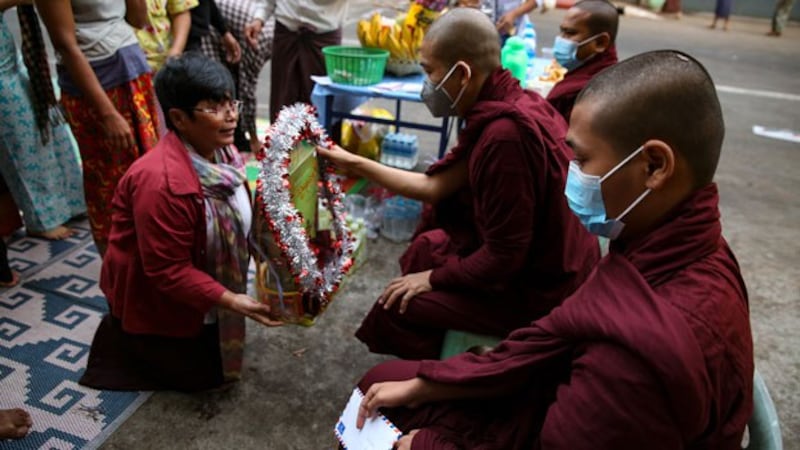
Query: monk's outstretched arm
(419,186)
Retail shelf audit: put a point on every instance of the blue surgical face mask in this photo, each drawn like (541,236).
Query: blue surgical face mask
(565,51)
(585,199)
(436,98)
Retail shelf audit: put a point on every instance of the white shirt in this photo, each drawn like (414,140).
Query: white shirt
(321,16)
(100,27)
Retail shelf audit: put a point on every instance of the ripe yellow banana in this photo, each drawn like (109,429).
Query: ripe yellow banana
(361,32)
(407,39)
(383,37)
(419,35)
(395,47)
(374,28)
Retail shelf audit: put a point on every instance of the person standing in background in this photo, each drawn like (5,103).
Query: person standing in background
(237,14)
(37,157)
(783,10)
(107,92)
(302,28)
(509,15)
(205,16)
(722,11)
(672,8)
(8,277)
(167,30)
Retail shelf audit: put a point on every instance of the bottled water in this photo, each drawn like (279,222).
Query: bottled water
(400,150)
(400,218)
(529,37)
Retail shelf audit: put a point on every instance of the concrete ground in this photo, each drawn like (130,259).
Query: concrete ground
(297,380)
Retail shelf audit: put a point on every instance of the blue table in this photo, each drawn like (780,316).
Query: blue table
(335,101)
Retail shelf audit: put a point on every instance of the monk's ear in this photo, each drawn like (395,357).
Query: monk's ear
(603,42)
(660,159)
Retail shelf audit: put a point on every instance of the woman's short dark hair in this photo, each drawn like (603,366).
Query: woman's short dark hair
(187,80)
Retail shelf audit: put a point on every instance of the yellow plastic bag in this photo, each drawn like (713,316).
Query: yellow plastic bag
(364,138)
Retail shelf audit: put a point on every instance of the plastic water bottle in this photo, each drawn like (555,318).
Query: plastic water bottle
(400,218)
(529,37)
(515,58)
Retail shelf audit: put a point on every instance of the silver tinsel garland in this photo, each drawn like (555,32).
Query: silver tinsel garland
(294,124)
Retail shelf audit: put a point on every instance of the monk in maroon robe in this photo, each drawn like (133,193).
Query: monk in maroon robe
(654,350)
(502,247)
(590,28)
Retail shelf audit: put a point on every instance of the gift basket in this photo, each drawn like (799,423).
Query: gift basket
(299,265)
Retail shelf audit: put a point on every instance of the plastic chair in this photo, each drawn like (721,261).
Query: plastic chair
(764,429)
(456,342)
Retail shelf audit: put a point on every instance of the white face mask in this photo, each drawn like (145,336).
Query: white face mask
(436,98)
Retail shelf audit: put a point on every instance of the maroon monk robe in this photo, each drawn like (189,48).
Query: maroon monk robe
(653,352)
(507,248)
(564,93)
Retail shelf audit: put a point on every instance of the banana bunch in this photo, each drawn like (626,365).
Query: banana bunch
(401,40)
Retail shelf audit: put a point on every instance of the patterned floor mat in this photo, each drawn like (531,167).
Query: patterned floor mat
(46,328)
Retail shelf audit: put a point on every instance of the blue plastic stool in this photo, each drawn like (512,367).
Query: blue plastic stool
(764,428)
(456,342)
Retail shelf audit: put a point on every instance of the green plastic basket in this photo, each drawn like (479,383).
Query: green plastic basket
(357,66)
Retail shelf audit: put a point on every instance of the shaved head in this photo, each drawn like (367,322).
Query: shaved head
(465,34)
(666,95)
(603,17)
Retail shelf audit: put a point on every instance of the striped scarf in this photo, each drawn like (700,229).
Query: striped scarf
(227,252)
(45,105)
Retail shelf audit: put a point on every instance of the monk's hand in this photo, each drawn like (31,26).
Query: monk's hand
(340,157)
(404,289)
(390,394)
(249,307)
(506,23)
(404,443)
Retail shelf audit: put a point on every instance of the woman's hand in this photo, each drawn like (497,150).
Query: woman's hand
(233,51)
(251,32)
(390,394)
(249,307)
(404,289)
(117,131)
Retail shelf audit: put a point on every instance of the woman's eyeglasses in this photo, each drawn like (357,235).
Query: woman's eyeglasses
(231,106)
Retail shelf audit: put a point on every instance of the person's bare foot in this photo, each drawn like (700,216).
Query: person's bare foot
(55,234)
(14,423)
(14,281)
(774,33)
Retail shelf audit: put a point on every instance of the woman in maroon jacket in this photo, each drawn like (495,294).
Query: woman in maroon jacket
(177,259)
